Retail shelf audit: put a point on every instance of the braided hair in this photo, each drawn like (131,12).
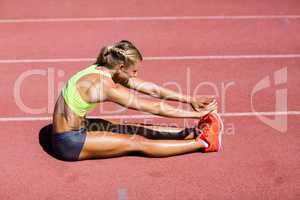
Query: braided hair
(123,52)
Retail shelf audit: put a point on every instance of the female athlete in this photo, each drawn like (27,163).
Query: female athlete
(112,78)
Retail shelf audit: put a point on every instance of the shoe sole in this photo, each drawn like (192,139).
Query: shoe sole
(221,127)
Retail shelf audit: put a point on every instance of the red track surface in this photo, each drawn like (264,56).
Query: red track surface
(256,162)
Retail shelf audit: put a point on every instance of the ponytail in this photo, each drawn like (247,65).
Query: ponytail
(123,52)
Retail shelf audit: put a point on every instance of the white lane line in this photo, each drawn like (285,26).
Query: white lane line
(224,57)
(208,57)
(247,114)
(236,114)
(161,18)
(47,60)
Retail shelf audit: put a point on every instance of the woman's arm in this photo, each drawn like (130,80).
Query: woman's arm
(156,90)
(124,97)
(198,103)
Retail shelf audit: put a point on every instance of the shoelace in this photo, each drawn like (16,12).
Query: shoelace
(202,130)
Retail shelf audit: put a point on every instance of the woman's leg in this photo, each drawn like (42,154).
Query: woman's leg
(147,130)
(107,144)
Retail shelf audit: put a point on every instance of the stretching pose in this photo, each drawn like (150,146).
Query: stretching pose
(112,78)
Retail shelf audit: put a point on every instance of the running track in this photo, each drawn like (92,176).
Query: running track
(224,48)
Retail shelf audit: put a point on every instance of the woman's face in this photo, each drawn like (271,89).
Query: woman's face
(123,74)
(131,71)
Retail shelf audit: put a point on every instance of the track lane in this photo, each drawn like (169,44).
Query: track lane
(269,168)
(193,38)
(99,8)
(223,78)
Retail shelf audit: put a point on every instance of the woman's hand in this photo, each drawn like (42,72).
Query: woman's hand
(201,103)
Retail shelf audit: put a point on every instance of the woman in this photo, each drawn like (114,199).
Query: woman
(110,79)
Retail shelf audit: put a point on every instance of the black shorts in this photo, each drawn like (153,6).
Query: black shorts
(67,146)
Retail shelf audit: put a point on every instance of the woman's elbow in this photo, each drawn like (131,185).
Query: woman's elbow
(161,109)
(151,107)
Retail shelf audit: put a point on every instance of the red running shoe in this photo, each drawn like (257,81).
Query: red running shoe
(212,130)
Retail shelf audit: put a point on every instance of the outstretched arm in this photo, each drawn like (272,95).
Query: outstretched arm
(124,97)
(156,90)
(152,89)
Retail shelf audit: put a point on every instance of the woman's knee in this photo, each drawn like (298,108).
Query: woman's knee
(136,142)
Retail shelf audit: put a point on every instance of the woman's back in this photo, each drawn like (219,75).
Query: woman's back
(78,96)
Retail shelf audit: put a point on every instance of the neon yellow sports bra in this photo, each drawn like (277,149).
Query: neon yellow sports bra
(72,96)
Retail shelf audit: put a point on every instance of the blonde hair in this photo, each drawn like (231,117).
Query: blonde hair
(123,52)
